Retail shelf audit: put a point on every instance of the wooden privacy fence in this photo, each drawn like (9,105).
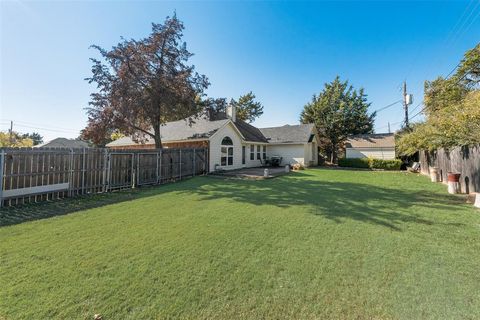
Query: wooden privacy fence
(34,175)
(463,160)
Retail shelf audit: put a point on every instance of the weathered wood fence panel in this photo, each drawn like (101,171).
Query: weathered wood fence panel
(34,175)
(463,160)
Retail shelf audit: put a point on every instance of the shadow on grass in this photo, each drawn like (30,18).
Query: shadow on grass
(388,207)
(42,210)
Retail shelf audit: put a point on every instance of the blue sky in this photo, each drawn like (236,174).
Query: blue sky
(282,51)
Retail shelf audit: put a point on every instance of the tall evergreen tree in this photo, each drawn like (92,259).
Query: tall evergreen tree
(247,108)
(338,111)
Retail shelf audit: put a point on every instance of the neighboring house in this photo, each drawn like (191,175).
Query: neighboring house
(235,144)
(63,143)
(380,146)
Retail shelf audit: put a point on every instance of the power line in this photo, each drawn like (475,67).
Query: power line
(46,129)
(388,106)
(37,124)
(418,105)
(391,124)
(460,32)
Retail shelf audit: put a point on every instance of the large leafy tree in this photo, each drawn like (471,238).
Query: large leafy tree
(247,108)
(452,110)
(143,84)
(338,111)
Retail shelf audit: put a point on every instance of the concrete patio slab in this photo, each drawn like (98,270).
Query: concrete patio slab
(252,173)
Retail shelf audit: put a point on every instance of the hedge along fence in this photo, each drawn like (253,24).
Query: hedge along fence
(33,175)
(463,160)
(371,163)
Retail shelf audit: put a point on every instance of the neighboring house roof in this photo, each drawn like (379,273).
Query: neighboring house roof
(301,133)
(377,140)
(63,143)
(200,128)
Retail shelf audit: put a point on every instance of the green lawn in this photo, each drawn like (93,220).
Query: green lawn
(313,244)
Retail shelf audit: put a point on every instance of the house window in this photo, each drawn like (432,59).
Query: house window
(226,152)
(252,152)
(264,153)
(244,151)
(258,153)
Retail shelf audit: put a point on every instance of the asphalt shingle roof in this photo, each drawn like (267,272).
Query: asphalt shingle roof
(249,132)
(377,140)
(203,128)
(200,128)
(63,143)
(288,133)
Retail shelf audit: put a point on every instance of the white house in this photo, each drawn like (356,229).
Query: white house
(235,144)
(380,146)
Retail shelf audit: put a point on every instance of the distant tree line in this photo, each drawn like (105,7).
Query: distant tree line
(16,139)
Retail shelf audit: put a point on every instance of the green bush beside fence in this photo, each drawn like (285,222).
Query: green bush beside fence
(354,162)
(370,163)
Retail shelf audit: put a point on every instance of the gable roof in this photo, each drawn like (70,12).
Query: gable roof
(375,140)
(249,132)
(300,133)
(63,143)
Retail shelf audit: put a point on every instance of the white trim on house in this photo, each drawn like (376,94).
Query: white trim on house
(226,124)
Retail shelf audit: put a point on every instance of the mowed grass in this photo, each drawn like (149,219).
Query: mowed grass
(310,245)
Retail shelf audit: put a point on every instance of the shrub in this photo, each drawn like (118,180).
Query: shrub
(370,163)
(353,162)
(394,164)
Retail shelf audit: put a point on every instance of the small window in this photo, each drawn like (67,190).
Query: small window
(227,141)
(258,153)
(264,154)
(252,152)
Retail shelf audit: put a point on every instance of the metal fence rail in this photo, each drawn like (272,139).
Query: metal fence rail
(39,174)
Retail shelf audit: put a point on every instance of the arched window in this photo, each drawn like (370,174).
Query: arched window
(227,141)
(226,152)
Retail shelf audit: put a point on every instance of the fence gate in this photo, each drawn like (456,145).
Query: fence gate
(121,170)
(147,165)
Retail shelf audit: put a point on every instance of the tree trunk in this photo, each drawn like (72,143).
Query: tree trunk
(333,155)
(157,138)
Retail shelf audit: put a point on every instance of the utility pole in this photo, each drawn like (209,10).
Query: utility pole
(407,100)
(389,128)
(11,133)
(405,105)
